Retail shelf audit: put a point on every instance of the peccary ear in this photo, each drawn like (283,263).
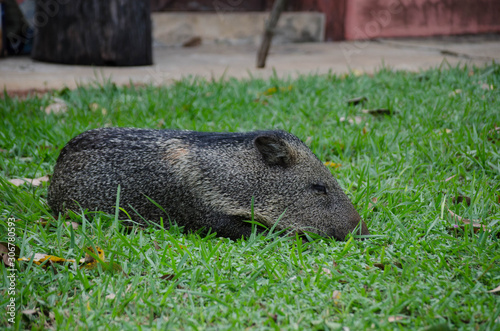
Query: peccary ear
(274,150)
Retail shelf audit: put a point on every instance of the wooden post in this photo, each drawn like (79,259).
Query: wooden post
(278,7)
(94,32)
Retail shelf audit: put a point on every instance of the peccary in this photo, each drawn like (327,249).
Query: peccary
(203,180)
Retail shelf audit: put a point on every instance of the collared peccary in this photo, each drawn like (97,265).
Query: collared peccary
(203,180)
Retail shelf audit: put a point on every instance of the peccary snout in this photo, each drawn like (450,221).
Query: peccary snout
(203,180)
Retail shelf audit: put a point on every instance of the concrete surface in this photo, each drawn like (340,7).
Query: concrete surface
(175,29)
(173,63)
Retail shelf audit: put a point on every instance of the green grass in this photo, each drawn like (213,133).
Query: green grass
(413,267)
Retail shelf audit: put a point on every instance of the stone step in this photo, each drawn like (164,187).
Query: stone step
(190,29)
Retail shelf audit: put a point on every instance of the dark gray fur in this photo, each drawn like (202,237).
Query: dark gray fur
(203,180)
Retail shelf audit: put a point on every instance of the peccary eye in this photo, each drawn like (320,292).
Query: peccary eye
(320,188)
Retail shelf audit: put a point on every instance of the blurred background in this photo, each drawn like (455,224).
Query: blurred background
(175,38)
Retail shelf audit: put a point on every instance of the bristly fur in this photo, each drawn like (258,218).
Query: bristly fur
(203,180)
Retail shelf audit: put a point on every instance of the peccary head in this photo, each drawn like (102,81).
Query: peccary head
(296,180)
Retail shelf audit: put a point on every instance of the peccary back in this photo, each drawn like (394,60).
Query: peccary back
(203,180)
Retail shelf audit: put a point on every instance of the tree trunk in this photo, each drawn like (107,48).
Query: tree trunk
(93,32)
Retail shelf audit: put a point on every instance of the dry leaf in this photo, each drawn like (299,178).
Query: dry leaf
(30,311)
(58,106)
(157,247)
(40,258)
(486,86)
(167,277)
(17,181)
(379,265)
(372,205)
(5,248)
(379,112)
(494,134)
(495,290)
(34,182)
(192,42)
(460,198)
(450,178)
(492,131)
(336,295)
(357,101)
(90,261)
(357,72)
(270,91)
(453,93)
(357,120)
(110,296)
(475,225)
(332,164)
(74,225)
(395,318)
(326,271)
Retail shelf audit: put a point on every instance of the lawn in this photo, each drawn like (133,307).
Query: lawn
(409,157)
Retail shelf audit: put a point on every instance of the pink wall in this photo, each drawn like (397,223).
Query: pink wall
(366,19)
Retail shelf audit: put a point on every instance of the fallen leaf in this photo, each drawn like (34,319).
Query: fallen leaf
(94,106)
(357,72)
(40,258)
(270,91)
(332,164)
(30,311)
(5,248)
(74,225)
(475,225)
(336,295)
(90,261)
(58,106)
(357,120)
(460,198)
(34,182)
(486,86)
(455,92)
(357,101)
(379,265)
(167,277)
(157,247)
(17,181)
(192,42)
(372,204)
(326,271)
(110,296)
(494,134)
(495,290)
(379,112)
(450,178)
(395,318)
(364,130)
